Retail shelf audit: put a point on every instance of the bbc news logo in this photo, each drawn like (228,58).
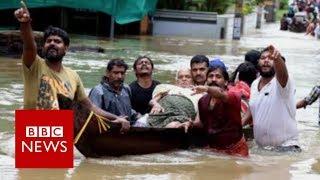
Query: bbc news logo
(44,139)
(44,131)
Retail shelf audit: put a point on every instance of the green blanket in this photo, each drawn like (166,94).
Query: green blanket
(176,108)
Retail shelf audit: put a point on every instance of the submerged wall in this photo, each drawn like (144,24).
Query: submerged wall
(212,25)
(185,23)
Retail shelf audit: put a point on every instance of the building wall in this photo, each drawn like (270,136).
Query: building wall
(222,29)
(225,21)
(250,22)
(191,29)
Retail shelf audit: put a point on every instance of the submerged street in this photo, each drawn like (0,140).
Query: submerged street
(302,55)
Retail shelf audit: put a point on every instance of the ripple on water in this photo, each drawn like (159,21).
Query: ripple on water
(305,169)
(12,95)
(81,63)
(7,144)
(157,159)
(7,170)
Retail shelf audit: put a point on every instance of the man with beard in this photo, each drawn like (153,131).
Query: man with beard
(143,87)
(219,115)
(47,80)
(272,104)
(199,67)
(112,95)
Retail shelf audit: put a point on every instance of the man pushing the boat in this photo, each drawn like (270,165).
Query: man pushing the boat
(219,114)
(112,94)
(47,83)
(272,104)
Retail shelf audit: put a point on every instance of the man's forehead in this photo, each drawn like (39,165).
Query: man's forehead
(54,37)
(118,68)
(215,72)
(144,60)
(265,53)
(184,72)
(198,65)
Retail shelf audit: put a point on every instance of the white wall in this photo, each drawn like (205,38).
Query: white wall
(203,30)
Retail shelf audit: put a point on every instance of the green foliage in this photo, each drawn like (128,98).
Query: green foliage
(219,6)
(283,4)
(280,13)
(257,2)
(248,7)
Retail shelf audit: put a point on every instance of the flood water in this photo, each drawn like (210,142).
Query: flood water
(303,61)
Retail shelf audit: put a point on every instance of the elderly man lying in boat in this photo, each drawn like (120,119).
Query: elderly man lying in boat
(173,105)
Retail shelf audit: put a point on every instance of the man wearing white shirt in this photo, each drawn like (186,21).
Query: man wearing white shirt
(272,104)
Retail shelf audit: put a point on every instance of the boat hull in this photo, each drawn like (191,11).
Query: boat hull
(138,140)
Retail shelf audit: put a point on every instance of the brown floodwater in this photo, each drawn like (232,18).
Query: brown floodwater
(170,53)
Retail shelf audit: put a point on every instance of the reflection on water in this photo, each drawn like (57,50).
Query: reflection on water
(169,54)
(316,166)
(7,167)
(167,171)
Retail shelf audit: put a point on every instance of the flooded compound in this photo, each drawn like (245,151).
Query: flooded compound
(302,55)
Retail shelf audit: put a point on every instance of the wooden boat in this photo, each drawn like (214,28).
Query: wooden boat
(137,140)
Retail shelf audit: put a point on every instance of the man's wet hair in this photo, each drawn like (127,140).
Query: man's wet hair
(139,58)
(246,72)
(116,62)
(199,59)
(224,72)
(55,31)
